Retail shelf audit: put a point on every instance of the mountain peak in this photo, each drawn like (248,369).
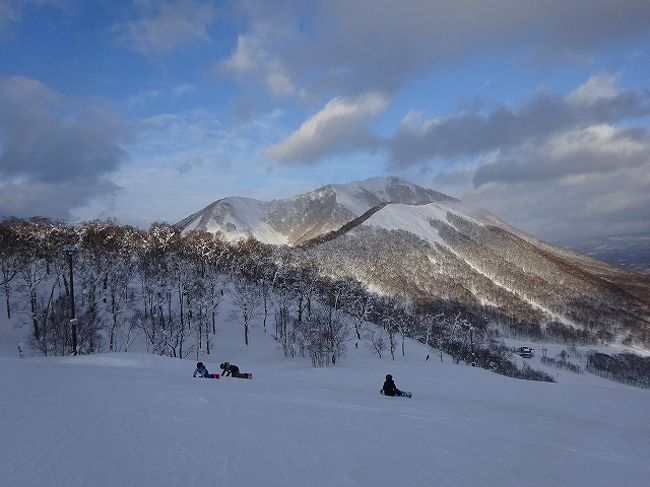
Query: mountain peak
(308,215)
(360,196)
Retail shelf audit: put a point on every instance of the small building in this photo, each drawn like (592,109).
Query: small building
(525,352)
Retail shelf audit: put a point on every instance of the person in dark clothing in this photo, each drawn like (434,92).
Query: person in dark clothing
(228,369)
(389,388)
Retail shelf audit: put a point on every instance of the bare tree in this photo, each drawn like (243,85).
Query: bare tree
(246,301)
(376,340)
(355,302)
(324,348)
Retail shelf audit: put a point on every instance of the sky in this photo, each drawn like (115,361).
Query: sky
(149,110)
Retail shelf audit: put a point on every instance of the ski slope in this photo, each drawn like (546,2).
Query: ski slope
(134,419)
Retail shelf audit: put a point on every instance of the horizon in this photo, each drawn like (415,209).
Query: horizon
(148,111)
(148,225)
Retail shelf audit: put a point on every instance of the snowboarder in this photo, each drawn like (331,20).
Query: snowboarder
(390,389)
(228,369)
(203,372)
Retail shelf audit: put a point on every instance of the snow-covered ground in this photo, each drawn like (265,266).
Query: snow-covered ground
(142,420)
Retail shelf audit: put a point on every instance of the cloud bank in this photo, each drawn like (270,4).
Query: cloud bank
(349,47)
(54,154)
(504,127)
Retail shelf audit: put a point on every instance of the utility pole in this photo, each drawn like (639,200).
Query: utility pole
(70,250)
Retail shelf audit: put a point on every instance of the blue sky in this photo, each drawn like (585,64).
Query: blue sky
(149,110)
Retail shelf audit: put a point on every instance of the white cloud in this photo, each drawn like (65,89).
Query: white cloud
(595,88)
(471,133)
(247,57)
(143,98)
(596,149)
(278,82)
(184,89)
(174,24)
(250,61)
(341,124)
(149,97)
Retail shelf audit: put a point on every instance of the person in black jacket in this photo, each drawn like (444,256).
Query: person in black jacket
(390,389)
(232,370)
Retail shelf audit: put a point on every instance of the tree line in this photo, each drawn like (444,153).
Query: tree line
(165,287)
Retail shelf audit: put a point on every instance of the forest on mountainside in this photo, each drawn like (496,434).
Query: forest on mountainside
(164,288)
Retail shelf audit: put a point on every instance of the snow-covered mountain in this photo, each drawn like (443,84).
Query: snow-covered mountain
(295,220)
(404,240)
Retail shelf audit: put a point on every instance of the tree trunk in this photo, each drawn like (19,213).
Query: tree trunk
(111,345)
(207,335)
(180,300)
(266,312)
(7,302)
(32,302)
(300,309)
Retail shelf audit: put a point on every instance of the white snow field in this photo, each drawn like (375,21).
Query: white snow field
(133,419)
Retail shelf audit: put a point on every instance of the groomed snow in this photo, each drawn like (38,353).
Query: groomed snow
(142,420)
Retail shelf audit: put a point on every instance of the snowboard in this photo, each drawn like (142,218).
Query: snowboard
(242,375)
(404,393)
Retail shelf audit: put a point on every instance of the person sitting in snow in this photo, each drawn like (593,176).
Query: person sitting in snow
(203,372)
(228,369)
(389,388)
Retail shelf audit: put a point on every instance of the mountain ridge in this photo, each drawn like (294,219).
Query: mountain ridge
(305,216)
(403,240)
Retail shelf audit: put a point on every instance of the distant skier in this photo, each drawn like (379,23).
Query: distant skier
(228,369)
(390,389)
(21,353)
(202,372)
(426,359)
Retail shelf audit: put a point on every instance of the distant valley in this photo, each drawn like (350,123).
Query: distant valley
(630,251)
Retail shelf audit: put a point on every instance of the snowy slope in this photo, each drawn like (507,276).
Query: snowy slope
(238,219)
(415,219)
(141,420)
